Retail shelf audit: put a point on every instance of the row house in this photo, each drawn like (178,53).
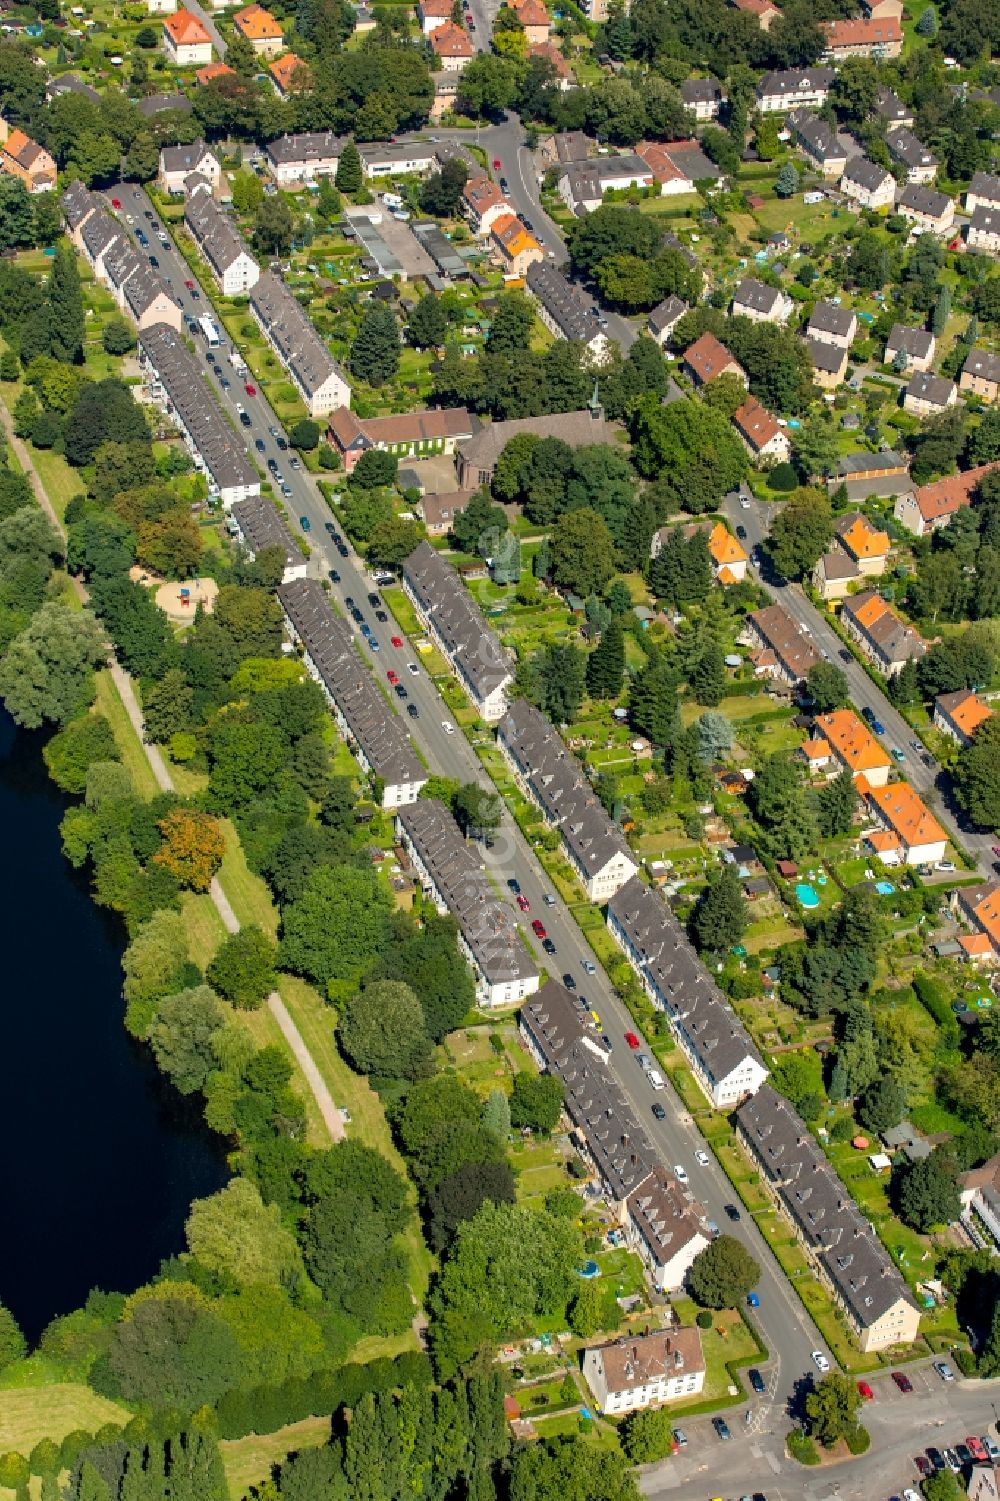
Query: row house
(981,375)
(289,330)
(221,243)
(960,714)
(839,1242)
(535,20)
(515,246)
(173,381)
(639,1371)
(703,97)
(886,641)
(932,211)
(821,144)
(23,158)
(304,157)
(829,363)
(890,109)
(760,303)
(567,311)
(258,525)
(186,40)
(706,359)
(780,648)
(852,746)
(932,506)
(178,163)
(550,775)
(983,232)
(979,907)
(983,192)
(920,163)
(861,551)
(928,395)
(374,735)
(455,623)
(582,186)
(907,833)
(761,435)
(452,875)
(483,204)
(258,27)
(715,1042)
(830,324)
(794,88)
(867,184)
(918,345)
(408,435)
(140,292)
(862,36)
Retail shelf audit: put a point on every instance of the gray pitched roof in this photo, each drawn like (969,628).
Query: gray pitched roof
(893,639)
(180,375)
(985,185)
(216,235)
(457,619)
(184,158)
(715,1035)
(924,386)
(755,294)
(261,526)
(791,81)
(814,133)
(867,174)
(310,146)
(905,147)
(291,330)
(916,341)
(982,363)
(330,645)
(828,357)
(666,314)
(578,429)
(889,107)
(819,1204)
(99,232)
(701,91)
(985,219)
(572,311)
(561,789)
(827,318)
(923,200)
(77,203)
(159,104)
(486,923)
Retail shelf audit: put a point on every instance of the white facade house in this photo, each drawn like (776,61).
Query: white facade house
(761,303)
(177,163)
(984,229)
(257,525)
(186,40)
(868,184)
(984,192)
(221,243)
(934,212)
(288,329)
(794,88)
(305,157)
(642,1371)
(666,1229)
(161,7)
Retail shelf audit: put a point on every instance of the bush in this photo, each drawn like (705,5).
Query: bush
(858,1439)
(802,1448)
(966,1361)
(783,477)
(704,1319)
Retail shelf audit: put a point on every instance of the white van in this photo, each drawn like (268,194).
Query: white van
(656,1079)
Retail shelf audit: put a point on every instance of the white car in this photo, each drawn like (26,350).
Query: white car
(820,1361)
(911,1495)
(412,667)
(744,503)
(701,1158)
(945,865)
(447,726)
(679,1173)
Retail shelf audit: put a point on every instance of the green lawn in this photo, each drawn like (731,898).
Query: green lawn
(133,756)
(249,1461)
(31,1413)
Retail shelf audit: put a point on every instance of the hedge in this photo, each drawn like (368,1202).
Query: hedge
(858,1439)
(934,999)
(802,1448)
(263,1409)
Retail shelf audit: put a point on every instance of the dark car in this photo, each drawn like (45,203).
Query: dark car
(329,528)
(514,886)
(334,576)
(272,464)
(756,1380)
(504,185)
(868,714)
(154,263)
(964,1454)
(374,600)
(281,442)
(903,1382)
(936,1459)
(258,443)
(246,419)
(413,711)
(548,945)
(349,602)
(741,532)
(732,1213)
(569,982)
(722,1429)
(342,548)
(878,728)
(400,691)
(659,1111)
(305,523)
(923,1464)
(605,1041)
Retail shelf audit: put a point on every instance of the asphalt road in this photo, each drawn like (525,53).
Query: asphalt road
(787,1331)
(931,781)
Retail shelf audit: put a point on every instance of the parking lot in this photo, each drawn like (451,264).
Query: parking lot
(390,243)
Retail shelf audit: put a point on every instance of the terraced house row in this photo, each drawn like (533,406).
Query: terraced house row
(454,622)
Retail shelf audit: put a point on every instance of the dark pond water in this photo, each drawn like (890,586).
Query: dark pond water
(99,1158)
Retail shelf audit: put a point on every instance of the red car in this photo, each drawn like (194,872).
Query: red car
(189,284)
(250,390)
(523,903)
(396,640)
(392,676)
(866,1391)
(903,1382)
(977,1449)
(538,928)
(923,1464)
(116,204)
(632,1041)
(496,164)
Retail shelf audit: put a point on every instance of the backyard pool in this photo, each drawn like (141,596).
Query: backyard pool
(884,888)
(589,1269)
(807,895)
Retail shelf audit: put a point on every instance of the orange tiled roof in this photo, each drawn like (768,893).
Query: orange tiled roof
(815,750)
(851,741)
(185,29)
(257,24)
(724,547)
(530,12)
(873,609)
(945,496)
(861,539)
(213,70)
(756,423)
(988,914)
(882,841)
(859,32)
(511,233)
(450,40)
(906,814)
(708,358)
(282,70)
(965,709)
(660,162)
(975,944)
(552,55)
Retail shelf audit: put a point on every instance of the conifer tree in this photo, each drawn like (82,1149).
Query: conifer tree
(606,664)
(349,173)
(66,307)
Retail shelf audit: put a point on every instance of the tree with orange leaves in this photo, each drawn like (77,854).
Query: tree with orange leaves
(193,847)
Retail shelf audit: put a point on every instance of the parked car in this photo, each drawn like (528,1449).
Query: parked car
(305,523)
(679,1173)
(923,1465)
(413,711)
(548,899)
(977,1449)
(590,967)
(246,419)
(680,1437)
(538,928)
(820,1361)
(400,692)
(333,576)
(936,1459)
(569,982)
(258,443)
(548,946)
(903,1382)
(447,726)
(523,903)
(722,1429)
(756,1380)
(866,1391)
(116,204)
(952,1460)
(392,676)
(396,640)
(411,667)
(944,1370)
(632,1041)
(702,1158)
(732,1213)
(658,1111)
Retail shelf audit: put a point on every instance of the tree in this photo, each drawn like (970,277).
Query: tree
(65,301)
(571,1468)
(46,673)
(715,736)
(882,1104)
(337,926)
(273,226)
(582,552)
(648,1436)
(720,918)
(511,325)
(778,800)
(478,528)
(828,687)
(154,965)
(787,181)
(171,1351)
(182,1033)
(496,1114)
(942,307)
(430,962)
(606,664)
(836,802)
(441,192)
(428,322)
(707,674)
(927,25)
(244,969)
(168,706)
(193,847)
(832,1408)
(382,1031)
(536,1102)
(304,435)
(117,337)
(723,1274)
(103,411)
(943,1485)
(477,812)
(976,776)
(350,174)
(814,448)
(459,1197)
(800,533)
(13,1345)
(235,1233)
(70,754)
(926,1191)
(560,672)
(375,351)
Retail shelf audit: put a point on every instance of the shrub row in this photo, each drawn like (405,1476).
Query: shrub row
(266,1408)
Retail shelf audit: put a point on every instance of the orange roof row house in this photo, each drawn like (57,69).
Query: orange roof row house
(187,38)
(534,18)
(728,555)
(980,906)
(932,506)
(960,714)
(909,833)
(863,542)
(861,37)
(854,746)
(516,245)
(452,45)
(211,71)
(761,434)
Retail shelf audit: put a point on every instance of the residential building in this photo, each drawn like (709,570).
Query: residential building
(187,40)
(782,650)
(931,210)
(868,184)
(303,158)
(979,906)
(927,395)
(161,7)
(534,18)
(834,325)
(706,359)
(887,642)
(960,714)
(722,1056)
(452,874)
(257,26)
(257,524)
(920,163)
(664,319)
(582,186)
(865,545)
(483,204)
(932,506)
(566,310)
(373,733)
(892,110)
(729,557)
(78,203)
(763,10)
(290,75)
(452,46)
(173,381)
(177,163)
(515,246)
(408,435)
(704,98)
(881,10)
(99,233)
(673,180)
(403,158)
(828,361)
(69,83)
(644,1370)
(862,37)
(445,94)
(287,327)
(979,1191)
(865,474)
(552,777)
(23,158)
(685,157)
(794,88)
(834,574)
(762,437)
(433,13)
(853,747)
(438,511)
(838,1240)
(981,375)
(140,292)
(917,344)
(760,303)
(666,1229)
(477,456)
(455,623)
(151,106)
(221,243)
(984,192)
(908,832)
(211,71)
(984,229)
(818,141)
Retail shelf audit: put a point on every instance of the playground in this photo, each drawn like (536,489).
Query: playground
(178,599)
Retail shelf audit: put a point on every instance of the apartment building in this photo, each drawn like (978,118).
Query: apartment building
(186,40)
(477,456)
(409,435)
(454,622)
(818,141)
(304,157)
(984,192)
(921,164)
(666,1229)
(173,381)
(178,163)
(781,649)
(257,26)
(453,877)
(552,777)
(566,310)
(644,1370)
(908,832)
(140,292)
(960,714)
(433,13)
(828,361)
(535,19)
(862,36)
(794,88)
(918,345)
(374,734)
(934,212)
(515,247)
(483,204)
(288,329)
(704,98)
(839,1242)
(829,324)
(23,158)
(760,303)
(928,395)
(882,636)
(761,435)
(867,184)
(853,747)
(257,524)
(707,359)
(452,46)
(981,375)
(221,243)
(932,506)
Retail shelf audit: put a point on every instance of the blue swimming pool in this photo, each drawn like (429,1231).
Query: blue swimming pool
(884,888)
(807,895)
(589,1269)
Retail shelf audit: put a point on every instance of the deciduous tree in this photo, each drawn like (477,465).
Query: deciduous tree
(337,927)
(832,1408)
(244,969)
(382,1031)
(193,847)
(720,918)
(235,1233)
(182,1033)
(723,1274)
(46,674)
